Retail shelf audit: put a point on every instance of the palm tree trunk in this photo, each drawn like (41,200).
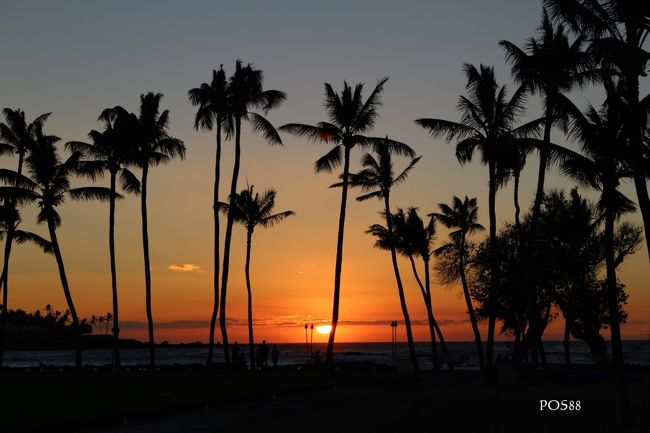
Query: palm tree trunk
(251,339)
(614,318)
(5,285)
(634,125)
(470,308)
(427,282)
(537,206)
(66,291)
(516,199)
(493,269)
(400,287)
(339,255)
(567,338)
(111,248)
(431,320)
(215,215)
(147,269)
(4,279)
(227,241)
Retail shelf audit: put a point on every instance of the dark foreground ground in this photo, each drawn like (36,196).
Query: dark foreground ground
(352,399)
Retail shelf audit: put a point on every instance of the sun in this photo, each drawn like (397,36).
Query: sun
(324,329)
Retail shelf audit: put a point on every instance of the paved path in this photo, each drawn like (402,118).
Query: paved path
(431,406)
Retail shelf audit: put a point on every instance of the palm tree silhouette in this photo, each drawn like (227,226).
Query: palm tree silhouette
(601,134)
(487,124)
(349,118)
(618,30)
(155,147)
(49,181)
(112,150)
(548,65)
(461,217)
(252,210)
(412,238)
(245,92)
(17,136)
(213,113)
(376,180)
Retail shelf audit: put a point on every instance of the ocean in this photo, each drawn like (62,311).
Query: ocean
(462,354)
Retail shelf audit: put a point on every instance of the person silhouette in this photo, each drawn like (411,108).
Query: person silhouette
(235,350)
(264,354)
(275,355)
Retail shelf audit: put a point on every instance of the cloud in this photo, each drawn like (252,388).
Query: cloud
(183,267)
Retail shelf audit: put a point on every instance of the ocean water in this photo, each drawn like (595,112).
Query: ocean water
(462,354)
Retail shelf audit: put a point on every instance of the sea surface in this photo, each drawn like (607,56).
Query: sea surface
(462,354)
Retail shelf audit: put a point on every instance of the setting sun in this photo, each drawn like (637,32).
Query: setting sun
(324,329)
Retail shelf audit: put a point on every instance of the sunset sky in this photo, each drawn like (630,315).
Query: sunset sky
(75,58)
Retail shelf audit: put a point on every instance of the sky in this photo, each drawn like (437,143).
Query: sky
(75,58)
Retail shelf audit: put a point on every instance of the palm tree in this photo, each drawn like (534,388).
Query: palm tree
(350,117)
(487,124)
(376,180)
(252,210)
(412,239)
(17,136)
(245,92)
(213,113)
(9,221)
(112,150)
(461,217)
(549,65)
(602,134)
(155,147)
(618,30)
(49,183)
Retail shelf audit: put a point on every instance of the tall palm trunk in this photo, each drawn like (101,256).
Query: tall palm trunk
(215,215)
(147,268)
(227,241)
(400,287)
(640,172)
(516,200)
(493,269)
(4,279)
(470,308)
(433,323)
(567,338)
(533,327)
(251,339)
(111,248)
(339,254)
(427,282)
(614,318)
(66,291)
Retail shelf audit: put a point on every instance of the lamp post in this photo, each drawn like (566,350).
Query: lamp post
(393,326)
(307,341)
(311,342)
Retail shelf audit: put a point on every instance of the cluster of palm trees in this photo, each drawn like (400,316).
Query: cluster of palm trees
(127,140)
(580,42)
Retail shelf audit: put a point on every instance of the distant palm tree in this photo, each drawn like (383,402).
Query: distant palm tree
(112,150)
(376,179)
(49,180)
(602,135)
(488,125)
(618,30)
(245,92)
(461,217)
(350,117)
(412,239)
(213,113)
(155,147)
(549,65)
(252,210)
